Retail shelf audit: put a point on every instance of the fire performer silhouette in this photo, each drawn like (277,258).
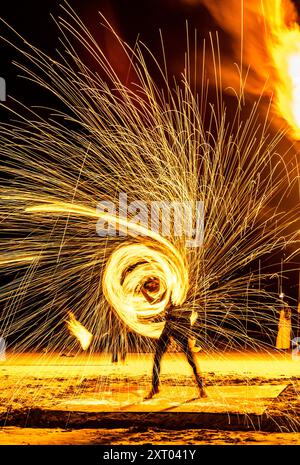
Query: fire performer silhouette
(283,340)
(178,326)
(118,340)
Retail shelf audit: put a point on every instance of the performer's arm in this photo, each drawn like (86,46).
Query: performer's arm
(150,299)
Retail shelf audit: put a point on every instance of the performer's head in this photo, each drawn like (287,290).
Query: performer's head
(152,284)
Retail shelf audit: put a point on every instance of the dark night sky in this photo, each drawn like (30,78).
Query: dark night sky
(130,18)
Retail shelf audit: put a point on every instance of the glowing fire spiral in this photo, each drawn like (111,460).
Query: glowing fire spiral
(130,266)
(123,293)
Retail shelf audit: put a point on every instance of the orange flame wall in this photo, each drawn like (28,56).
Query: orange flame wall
(265,37)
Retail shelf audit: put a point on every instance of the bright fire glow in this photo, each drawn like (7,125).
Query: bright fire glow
(283,43)
(79,331)
(266,44)
(160,259)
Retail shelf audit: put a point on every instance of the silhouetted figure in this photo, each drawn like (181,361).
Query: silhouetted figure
(119,343)
(283,340)
(177,326)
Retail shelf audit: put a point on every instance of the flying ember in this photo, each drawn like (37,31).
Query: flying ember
(79,331)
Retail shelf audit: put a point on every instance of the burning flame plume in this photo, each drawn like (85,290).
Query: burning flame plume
(154,143)
(266,39)
(283,44)
(79,331)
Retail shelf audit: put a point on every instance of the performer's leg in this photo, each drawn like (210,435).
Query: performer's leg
(123,350)
(185,343)
(114,353)
(161,347)
(123,354)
